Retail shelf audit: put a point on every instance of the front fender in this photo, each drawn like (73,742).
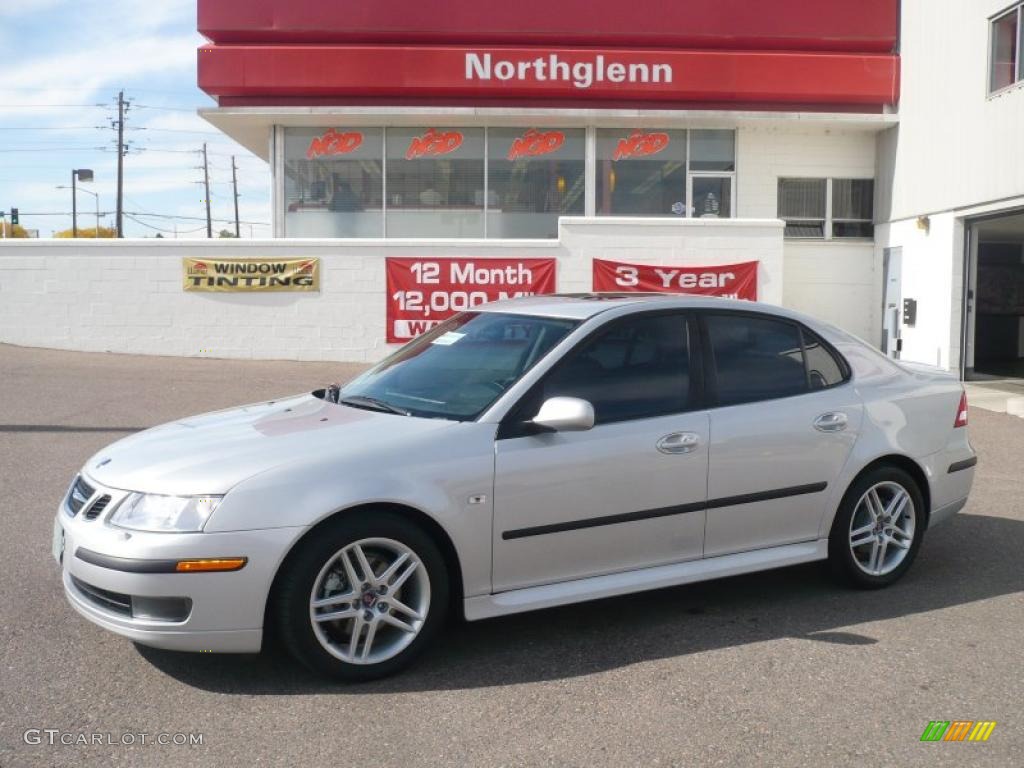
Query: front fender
(436,473)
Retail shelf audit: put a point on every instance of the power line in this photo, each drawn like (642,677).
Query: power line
(147,215)
(165,109)
(54,106)
(161,229)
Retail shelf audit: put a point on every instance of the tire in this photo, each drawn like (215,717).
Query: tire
(331,647)
(886,551)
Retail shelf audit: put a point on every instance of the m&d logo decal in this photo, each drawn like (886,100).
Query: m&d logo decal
(958,730)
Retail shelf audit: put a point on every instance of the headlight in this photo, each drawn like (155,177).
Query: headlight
(146,512)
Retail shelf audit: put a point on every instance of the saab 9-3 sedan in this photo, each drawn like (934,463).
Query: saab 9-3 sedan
(527,454)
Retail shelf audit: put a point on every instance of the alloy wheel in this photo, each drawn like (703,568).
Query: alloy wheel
(370,601)
(882,528)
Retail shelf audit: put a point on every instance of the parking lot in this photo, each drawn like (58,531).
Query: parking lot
(782,668)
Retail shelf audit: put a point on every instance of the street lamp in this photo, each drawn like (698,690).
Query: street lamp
(78,174)
(88,192)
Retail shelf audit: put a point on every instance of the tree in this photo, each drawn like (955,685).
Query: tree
(89,234)
(16,230)
(224,233)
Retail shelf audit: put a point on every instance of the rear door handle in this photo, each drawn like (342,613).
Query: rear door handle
(833,421)
(679,442)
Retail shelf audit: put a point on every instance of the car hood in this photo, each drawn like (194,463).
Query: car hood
(212,453)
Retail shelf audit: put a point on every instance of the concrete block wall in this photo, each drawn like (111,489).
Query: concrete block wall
(838,281)
(126,296)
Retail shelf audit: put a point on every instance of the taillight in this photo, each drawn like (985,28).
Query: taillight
(961,412)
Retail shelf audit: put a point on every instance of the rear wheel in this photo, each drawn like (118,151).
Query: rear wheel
(878,528)
(363,597)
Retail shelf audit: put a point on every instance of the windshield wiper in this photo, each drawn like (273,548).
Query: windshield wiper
(372,404)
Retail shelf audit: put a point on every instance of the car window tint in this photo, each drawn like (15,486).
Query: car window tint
(755,358)
(823,370)
(638,368)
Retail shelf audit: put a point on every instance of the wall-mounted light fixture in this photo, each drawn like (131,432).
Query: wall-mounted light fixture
(924,223)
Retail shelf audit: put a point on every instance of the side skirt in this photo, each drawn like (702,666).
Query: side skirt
(610,585)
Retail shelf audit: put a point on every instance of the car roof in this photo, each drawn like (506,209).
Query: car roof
(582,306)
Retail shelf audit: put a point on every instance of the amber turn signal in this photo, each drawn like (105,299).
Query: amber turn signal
(211,564)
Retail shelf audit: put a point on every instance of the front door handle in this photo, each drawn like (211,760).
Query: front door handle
(679,442)
(833,421)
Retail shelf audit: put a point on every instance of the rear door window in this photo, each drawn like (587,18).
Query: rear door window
(823,369)
(755,358)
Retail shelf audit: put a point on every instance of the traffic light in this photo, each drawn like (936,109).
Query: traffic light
(14,217)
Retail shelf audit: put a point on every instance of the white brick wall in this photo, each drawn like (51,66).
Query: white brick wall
(836,281)
(126,296)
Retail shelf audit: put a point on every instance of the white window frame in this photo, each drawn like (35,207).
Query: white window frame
(1017,8)
(828,220)
(731,175)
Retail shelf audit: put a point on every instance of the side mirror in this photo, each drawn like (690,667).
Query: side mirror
(564,414)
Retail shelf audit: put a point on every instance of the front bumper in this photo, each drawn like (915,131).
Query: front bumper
(225,611)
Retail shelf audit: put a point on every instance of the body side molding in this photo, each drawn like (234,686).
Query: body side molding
(647,514)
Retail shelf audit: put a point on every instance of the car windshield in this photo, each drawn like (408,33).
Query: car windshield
(456,370)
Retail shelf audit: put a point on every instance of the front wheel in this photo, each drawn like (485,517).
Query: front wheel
(878,529)
(362,597)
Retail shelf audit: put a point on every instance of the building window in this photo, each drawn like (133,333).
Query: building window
(435,182)
(852,208)
(641,172)
(652,172)
(804,204)
(333,184)
(1007,40)
(533,177)
(499,183)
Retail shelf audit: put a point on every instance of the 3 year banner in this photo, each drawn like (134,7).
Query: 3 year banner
(425,292)
(736,281)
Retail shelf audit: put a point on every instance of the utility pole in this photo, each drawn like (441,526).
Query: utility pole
(206,184)
(74,205)
(121,106)
(234,182)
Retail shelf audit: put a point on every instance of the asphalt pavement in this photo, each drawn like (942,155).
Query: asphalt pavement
(781,668)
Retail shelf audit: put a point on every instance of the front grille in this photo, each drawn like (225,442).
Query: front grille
(97,508)
(79,494)
(111,601)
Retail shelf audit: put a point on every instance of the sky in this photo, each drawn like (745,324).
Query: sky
(62,63)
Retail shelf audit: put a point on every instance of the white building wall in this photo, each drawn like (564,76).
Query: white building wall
(955,146)
(837,281)
(126,296)
(957,152)
(932,275)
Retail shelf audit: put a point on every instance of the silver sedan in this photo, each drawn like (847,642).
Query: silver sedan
(524,455)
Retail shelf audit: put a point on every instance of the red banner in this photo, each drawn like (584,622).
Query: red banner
(735,281)
(424,292)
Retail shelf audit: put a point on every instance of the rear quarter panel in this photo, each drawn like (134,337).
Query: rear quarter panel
(908,413)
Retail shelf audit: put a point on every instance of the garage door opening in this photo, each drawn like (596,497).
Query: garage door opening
(996,299)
